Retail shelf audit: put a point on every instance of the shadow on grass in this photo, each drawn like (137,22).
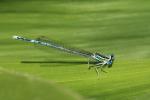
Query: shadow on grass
(57,62)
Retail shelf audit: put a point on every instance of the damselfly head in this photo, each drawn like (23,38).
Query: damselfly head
(112,58)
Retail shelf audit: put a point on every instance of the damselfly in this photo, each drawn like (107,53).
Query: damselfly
(101,61)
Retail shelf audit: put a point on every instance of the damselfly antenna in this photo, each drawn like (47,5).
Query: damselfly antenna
(101,61)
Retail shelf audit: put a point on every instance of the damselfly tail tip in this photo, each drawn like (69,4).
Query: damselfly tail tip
(15,37)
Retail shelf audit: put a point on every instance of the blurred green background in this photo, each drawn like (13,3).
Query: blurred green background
(106,26)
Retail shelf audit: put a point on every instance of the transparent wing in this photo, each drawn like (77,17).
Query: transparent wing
(61,47)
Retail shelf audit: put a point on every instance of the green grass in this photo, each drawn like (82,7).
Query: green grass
(16,86)
(112,26)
